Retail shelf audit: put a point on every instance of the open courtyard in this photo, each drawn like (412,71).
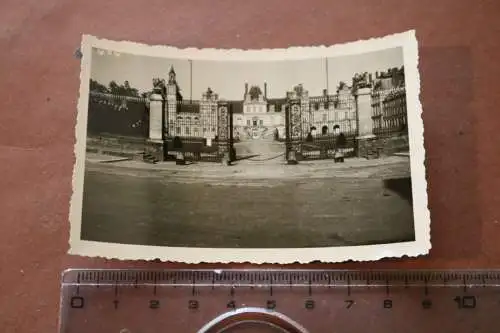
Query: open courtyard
(252,204)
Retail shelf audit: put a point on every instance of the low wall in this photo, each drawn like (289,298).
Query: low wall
(117,146)
(383,146)
(135,148)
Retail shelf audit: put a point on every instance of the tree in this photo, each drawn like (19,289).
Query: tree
(97,87)
(114,88)
(123,90)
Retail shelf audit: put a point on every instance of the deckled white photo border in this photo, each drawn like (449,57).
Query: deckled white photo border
(407,40)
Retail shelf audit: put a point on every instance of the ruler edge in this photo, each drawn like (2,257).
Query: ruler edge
(68,271)
(388,274)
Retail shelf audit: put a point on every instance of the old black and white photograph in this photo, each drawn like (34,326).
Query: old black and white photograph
(266,156)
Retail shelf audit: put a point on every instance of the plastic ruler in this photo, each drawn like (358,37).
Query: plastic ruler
(262,300)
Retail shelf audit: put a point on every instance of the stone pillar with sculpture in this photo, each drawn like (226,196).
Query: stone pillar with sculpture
(155,143)
(365,139)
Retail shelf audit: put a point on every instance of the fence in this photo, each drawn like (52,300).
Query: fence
(193,128)
(327,124)
(316,127)
(116,115)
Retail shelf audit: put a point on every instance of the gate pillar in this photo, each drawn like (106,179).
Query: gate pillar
(365,139)
(224,135)
(154,147)
(293,120)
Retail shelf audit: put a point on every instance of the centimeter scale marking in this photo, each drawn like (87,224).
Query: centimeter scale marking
(280,277)
(194,299)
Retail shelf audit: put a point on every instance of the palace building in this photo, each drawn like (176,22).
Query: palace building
(256,115)
(369,109)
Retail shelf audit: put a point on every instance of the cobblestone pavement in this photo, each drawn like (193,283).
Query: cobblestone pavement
(311,204)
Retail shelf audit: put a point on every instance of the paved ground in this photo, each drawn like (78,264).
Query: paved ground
(248,205)
(260,150)
(253,170)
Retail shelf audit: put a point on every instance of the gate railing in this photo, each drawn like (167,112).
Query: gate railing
(321,126)
(200,130)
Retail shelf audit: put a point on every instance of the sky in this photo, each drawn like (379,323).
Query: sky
(228,78)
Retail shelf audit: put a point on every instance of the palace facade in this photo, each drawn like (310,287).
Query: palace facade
(256,115)
(366,110)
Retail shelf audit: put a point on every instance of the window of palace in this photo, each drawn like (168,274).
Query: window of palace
(178,130)
(187,129)
(261,122)
(248,122)
(324,117)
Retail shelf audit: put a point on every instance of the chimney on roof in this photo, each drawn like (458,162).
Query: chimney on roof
(246,88)
(325,92)
(265,90)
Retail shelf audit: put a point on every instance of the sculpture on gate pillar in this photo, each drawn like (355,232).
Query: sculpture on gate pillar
(159,86)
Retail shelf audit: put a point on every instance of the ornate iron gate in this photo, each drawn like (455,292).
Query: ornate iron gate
(202,131)
(225,139)
(192,130)
(319,127)
(293,129)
